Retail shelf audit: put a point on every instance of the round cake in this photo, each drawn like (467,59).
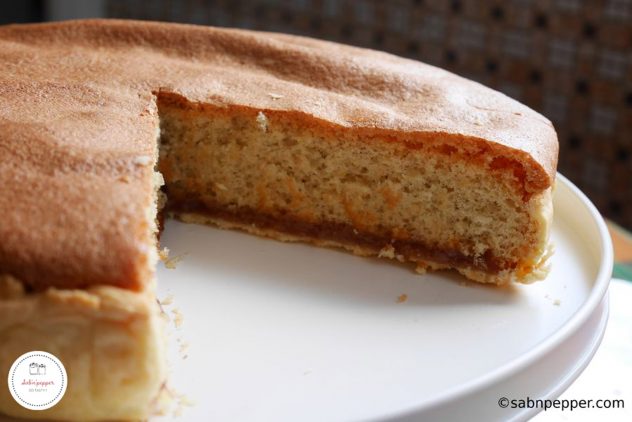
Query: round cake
(108,125)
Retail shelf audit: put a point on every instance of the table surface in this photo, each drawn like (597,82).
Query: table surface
(622,243)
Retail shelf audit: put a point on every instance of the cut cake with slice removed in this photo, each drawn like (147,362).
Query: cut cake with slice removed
(278,135)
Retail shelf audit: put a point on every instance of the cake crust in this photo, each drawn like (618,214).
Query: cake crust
(109,339)
(79,127)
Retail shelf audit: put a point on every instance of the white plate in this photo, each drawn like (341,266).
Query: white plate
(545,379)
(279,331)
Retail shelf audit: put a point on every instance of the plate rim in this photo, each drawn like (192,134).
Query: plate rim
(545,388)
(595,341)
(574,323)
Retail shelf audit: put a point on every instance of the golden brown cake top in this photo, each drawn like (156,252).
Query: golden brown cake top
(78,126)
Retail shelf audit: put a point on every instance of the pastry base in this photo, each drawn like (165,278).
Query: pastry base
(110,341)
(541,268)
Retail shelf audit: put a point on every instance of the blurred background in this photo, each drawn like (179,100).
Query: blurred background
(571,60)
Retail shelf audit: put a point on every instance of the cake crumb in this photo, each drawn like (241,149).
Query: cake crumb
(262,121)
(402,298)
(183,349)
(275,96)
(163,254)
(477,120)
(421,269)
(221,187)
(557,302)
(171,402)
(163,315)
(162,402)
(124,178)
(182,401)
(178,318)
(167,300)
(171,263)
(387,251)
(142,160)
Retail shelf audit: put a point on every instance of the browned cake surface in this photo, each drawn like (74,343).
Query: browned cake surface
(78,127)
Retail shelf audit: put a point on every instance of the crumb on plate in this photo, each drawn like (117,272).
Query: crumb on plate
(171,263)
(178,318)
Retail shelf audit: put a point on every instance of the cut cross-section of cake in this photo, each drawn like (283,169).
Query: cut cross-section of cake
(439,200)
(277,135)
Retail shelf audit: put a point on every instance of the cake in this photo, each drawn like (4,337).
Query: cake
(280,136)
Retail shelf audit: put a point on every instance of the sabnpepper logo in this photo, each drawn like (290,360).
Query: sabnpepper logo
(37,380)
